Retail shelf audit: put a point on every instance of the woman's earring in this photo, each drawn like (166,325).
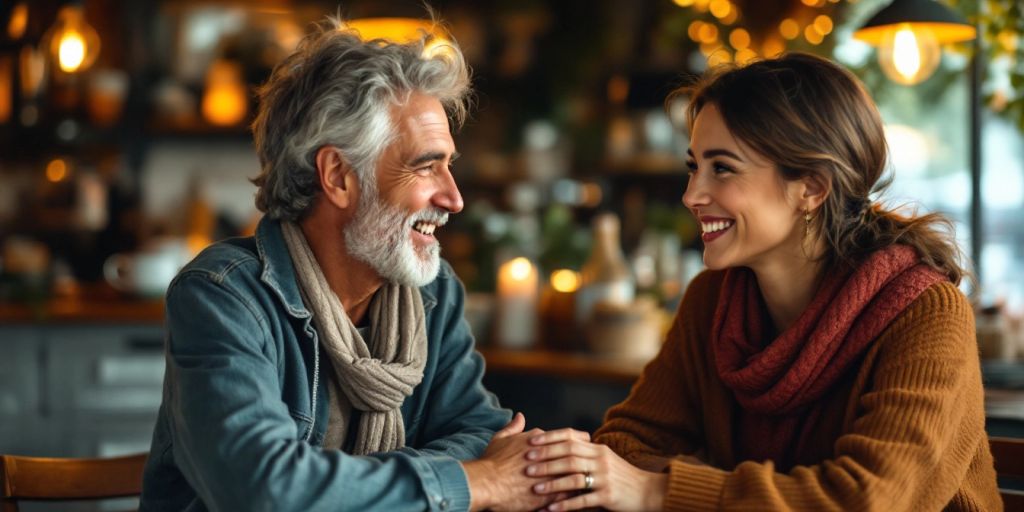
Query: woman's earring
(807,223)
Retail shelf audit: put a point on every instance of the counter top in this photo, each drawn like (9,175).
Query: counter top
(565,365)
(95,306)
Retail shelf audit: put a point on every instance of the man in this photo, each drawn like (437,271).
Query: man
(324,363)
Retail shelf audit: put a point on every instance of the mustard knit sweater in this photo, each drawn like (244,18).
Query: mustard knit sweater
(904,431)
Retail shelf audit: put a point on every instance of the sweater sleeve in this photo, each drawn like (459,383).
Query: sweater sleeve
(641,429)
(912,439)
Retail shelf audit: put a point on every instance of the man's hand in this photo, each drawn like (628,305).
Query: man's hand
(498,479)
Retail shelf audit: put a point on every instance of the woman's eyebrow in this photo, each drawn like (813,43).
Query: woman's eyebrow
(711,153)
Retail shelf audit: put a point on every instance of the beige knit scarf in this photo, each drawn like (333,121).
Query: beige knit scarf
(376,377)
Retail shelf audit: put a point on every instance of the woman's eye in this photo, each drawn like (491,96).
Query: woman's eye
(691,167)
(721,169)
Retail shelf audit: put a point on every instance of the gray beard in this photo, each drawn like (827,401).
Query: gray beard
(379,236)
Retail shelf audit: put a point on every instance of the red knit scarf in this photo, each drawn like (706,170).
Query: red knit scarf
(775,380)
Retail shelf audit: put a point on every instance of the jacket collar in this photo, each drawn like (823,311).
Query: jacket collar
(279,273)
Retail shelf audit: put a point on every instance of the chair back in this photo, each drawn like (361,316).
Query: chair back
(1009,460)
(50,479)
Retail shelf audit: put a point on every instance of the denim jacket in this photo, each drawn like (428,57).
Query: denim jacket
(245,410)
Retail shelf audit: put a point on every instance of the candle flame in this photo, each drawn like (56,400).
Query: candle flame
(565,280)
(520,268)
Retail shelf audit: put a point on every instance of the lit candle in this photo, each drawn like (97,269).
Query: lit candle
(557,311)
(517,304)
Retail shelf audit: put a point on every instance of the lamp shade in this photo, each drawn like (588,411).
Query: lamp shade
(908,35)
(945,25)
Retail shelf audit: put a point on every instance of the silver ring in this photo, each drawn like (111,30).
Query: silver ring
(588,480)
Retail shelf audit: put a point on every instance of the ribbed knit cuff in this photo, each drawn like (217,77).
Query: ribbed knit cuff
(693,487)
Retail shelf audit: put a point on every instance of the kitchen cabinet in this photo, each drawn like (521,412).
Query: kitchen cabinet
(79,390)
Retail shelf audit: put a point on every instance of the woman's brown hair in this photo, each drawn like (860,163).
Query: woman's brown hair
(811,117)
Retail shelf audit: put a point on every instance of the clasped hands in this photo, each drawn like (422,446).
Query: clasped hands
(557,470)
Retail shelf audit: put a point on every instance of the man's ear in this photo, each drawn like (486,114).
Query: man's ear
(337,178)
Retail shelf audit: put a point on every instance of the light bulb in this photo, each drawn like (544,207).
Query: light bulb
(74,44)
(909,55)
(225,101)
(71,52)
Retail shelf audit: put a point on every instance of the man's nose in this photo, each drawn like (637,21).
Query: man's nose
(449,197)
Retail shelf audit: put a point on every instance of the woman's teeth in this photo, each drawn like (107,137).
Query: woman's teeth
(711,227)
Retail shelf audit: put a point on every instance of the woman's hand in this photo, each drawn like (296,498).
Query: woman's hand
(613,483)
(498,479)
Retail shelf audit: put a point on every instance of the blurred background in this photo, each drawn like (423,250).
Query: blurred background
(125,149)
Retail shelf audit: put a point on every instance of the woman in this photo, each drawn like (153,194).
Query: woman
(826,360)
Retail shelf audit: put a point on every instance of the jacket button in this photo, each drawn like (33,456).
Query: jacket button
(444,504)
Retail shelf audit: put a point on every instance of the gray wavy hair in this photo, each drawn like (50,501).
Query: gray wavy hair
(337,89)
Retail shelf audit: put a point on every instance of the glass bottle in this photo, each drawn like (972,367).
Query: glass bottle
(605,277)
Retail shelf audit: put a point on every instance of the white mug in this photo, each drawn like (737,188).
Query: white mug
(146,273)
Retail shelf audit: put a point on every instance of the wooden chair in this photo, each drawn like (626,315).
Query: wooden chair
(47,479)
(1009,456)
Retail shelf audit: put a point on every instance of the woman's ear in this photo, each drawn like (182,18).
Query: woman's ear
(337,178)
(815,190)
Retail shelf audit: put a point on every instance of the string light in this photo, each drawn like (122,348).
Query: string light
(720,8)
(718,57)
(812,35)
(773,47)
(823,24)
(739,39)
(745,55)
(708,33)
(693,31)
(734,14)
(789,29)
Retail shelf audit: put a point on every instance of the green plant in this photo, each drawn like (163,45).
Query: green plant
(1002,33)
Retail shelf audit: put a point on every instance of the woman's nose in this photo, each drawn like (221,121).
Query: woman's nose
(694,195)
